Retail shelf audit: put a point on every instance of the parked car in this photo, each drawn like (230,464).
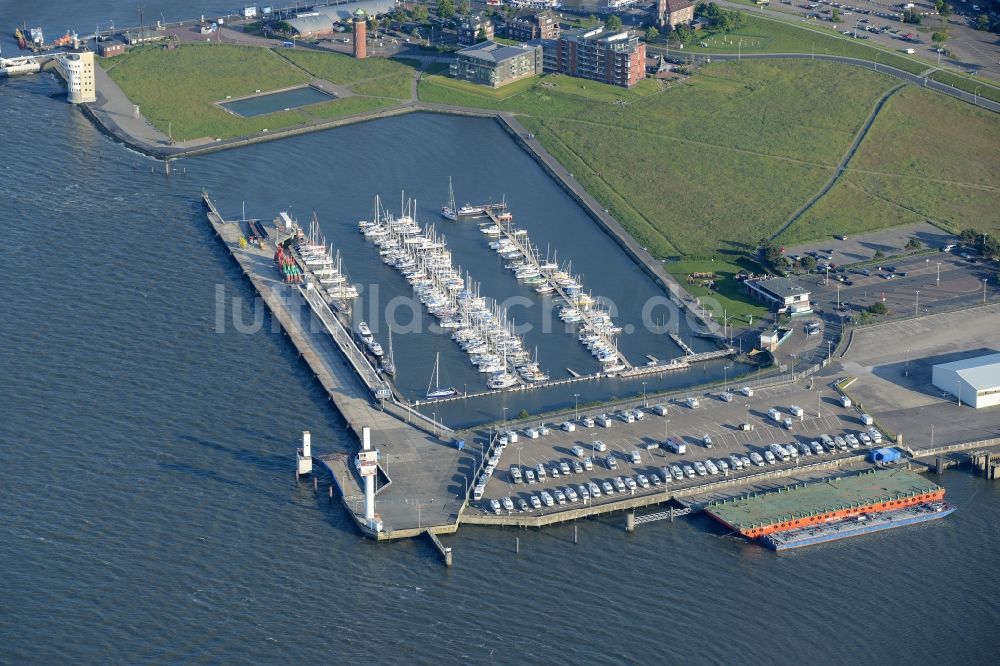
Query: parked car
(769,458)
(535,502)
(630,483)
(578,451)
(495,506)
(654,478)
(676,472)
(577,467)
(689,471)
(707,441)
(564,468)
(595,490)
(608,488)
(757,459)
(620,484)
(584,492)
(600,446)
(588,464)
(547,498)
(522,505)
(643,481)
(571,494)
(700,468)
(559,495)
(587,422)
(610,461)
(529,475)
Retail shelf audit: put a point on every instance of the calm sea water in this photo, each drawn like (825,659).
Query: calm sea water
(147,508)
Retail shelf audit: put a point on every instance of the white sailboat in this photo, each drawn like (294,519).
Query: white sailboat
(450,212)
(437,391)
(389,364)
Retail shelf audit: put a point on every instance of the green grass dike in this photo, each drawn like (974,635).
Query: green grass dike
(697,170)
(179,89)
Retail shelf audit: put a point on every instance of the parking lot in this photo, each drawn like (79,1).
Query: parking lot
(893,364)
(943,280)
(822,412)
(969,50)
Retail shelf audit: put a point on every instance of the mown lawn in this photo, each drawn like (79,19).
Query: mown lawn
(769,35)
(985,89)
(927,157)
(728,296)
(177,90)
(343,69)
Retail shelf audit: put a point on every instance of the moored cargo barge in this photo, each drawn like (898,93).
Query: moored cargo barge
(839,507)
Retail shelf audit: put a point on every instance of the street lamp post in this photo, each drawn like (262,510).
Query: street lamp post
(975,95)
(916,305)
(576,406)
(644,395)
(435,422)
(505,418)
(725,378)
(932,435)
(938,283)
(984,291)
(829,350)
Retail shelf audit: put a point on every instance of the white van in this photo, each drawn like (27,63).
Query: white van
(692,403)
(660,410)
(604,421)
(747,391)
(845,401)
(796,411)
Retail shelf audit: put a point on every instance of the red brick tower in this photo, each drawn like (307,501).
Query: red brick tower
(360,43)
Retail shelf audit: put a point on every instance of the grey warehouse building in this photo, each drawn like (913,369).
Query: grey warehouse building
(975,381)
(320,20)
(492,64)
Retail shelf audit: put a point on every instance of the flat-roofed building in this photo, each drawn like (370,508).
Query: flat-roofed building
(783,294)
(618,58)
(492,64)
(974,381)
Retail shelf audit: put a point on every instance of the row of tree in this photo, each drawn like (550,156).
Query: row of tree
(987,245)
(725,19)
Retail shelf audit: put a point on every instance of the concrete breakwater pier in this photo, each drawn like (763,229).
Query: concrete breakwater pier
(420,474)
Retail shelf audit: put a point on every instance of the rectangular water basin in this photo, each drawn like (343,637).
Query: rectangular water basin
(279,101)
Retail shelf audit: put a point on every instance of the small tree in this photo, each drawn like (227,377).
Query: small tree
(463,7)
(419,13)
(943,8)
(445,9)
(684,33)
(912,16)
(481,35)
(877,308)
(808,262)
(652,34)
(613,23)
(523,414)
(940,37)
(913,244)
(982,22)
(879,254)
(835,16)
(968,236)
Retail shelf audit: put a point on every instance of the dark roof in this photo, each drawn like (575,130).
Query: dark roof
(677,5)
(781,287)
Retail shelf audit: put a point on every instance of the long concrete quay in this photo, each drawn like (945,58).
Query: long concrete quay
(428,475)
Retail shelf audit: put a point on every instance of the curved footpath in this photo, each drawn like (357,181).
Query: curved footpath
(862,133)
